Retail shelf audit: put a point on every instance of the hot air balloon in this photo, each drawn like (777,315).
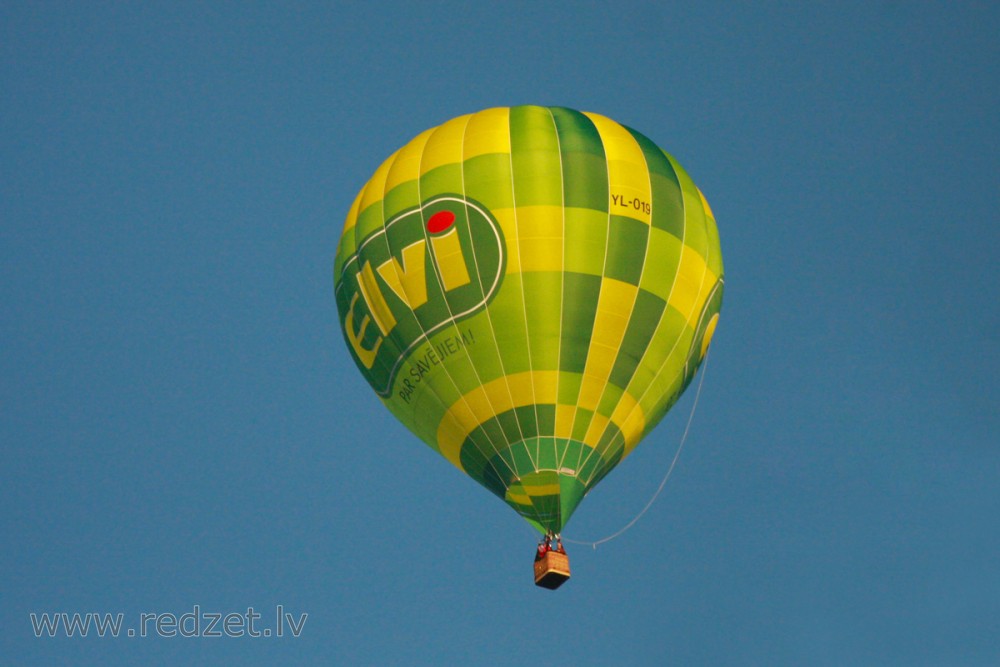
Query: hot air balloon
(529,290)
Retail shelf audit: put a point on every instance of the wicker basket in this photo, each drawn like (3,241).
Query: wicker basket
(551,570)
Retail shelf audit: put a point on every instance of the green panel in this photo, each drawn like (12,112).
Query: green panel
(535,156)
(581,423)
(453,350)
(487,180)
(665,339)
(715,254)
(588,464)
(401,198)
(584,164)
(668,206)
(545,415)
(481,466)
(546,456)
(483,347)
(626,249)
(510,426)
(489,432)
(571,492)
(695,232)
(580,294)
(369,220)
(543,304)
(569,386)
(586,241)
(611,440)
(668,388)
(527,417)
(670,345)
(510,332)
(345,248)
(664,255)
(422,413)
(444,179)
(602,466)
(519,454)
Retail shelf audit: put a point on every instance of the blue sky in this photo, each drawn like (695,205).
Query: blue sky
(181,425)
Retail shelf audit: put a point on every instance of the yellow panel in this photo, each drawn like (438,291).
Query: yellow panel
(704,204)
(632,429)
(564,421)
(630,419)
(614,305)
(352,215)
(685,293)
(541,489)
(450,430)
(488,132)
(600,361)
(706,338)
(537,387)
(537,222)
(628,175)
(375,188)
(407,164)
(545,385)
(689,286)
(445,145)
(619,302)
(608,329)
(591,389)
(541,255)
(541,237)
(625,406)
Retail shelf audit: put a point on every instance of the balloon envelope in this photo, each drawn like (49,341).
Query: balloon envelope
(529,290)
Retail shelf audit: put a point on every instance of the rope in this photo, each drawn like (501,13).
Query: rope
(670,470)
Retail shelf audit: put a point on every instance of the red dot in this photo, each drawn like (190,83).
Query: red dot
(440,221)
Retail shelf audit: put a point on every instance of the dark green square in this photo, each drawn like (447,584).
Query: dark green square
(626,249)
(580,295)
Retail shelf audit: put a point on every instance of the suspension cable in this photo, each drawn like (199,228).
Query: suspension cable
(670,470)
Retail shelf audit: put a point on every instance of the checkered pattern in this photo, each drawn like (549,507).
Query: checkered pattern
(609,285)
